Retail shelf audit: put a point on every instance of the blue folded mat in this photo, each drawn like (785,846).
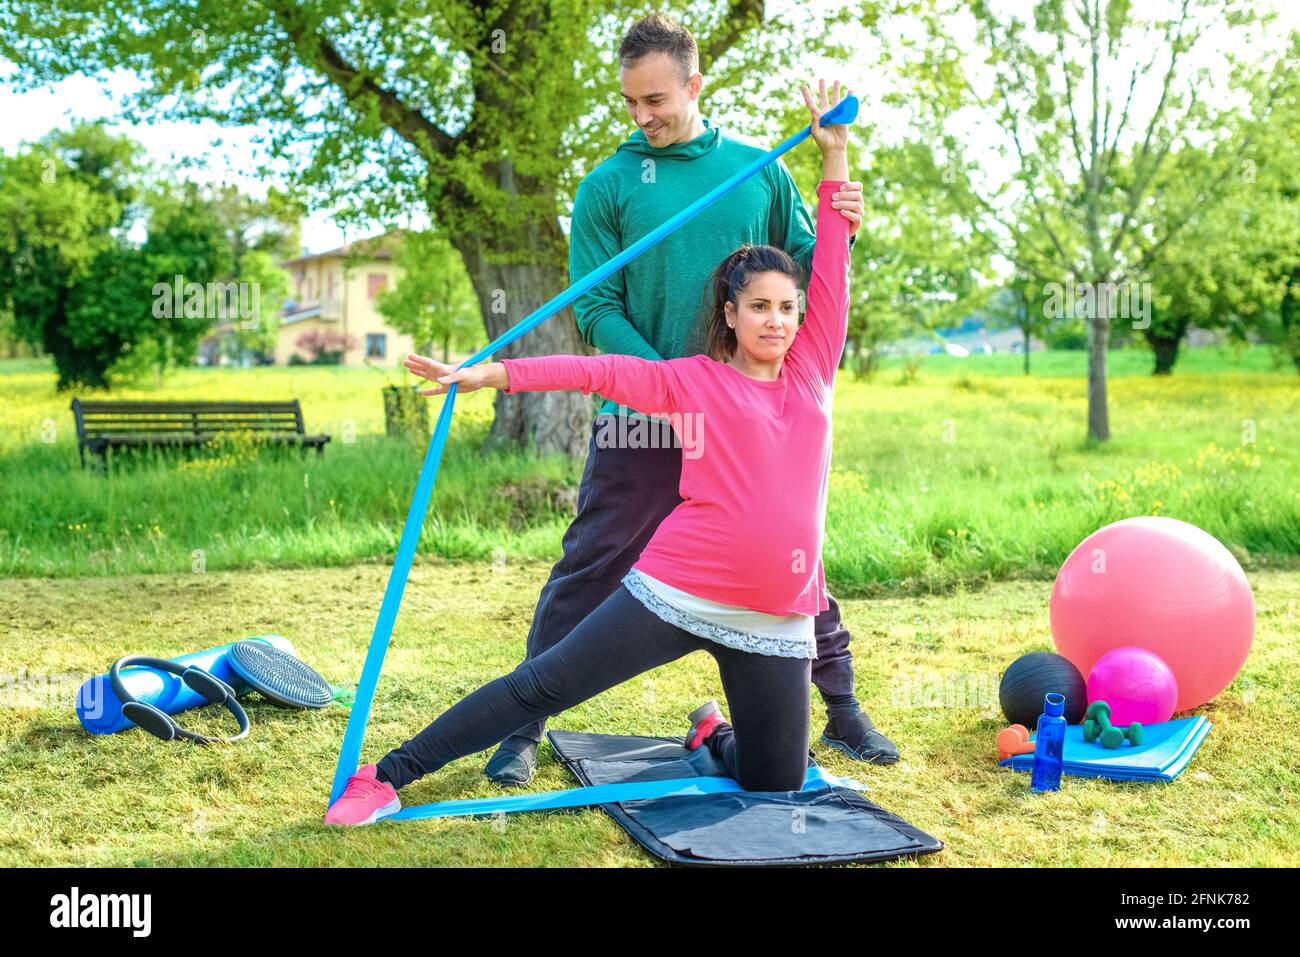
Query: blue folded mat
(1166,749)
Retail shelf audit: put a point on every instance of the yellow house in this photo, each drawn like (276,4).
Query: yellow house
(332,300)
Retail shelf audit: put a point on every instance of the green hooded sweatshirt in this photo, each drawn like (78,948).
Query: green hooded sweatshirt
(654,307)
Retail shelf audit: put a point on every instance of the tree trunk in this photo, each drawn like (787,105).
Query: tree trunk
(164,349)
(1026,351)
(1098,338)
(1290,315)
(555,422)
(1165,339)
(1166,352)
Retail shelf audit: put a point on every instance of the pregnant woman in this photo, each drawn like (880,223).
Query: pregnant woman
(735,570)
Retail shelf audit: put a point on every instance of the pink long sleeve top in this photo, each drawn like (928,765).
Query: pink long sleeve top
(750,527)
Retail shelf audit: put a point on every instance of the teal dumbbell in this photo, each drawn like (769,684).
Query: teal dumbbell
(1097,726)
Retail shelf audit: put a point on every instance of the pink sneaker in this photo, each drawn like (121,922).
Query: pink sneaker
(703,721)
(365,800)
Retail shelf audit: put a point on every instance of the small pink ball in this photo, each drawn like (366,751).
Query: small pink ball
(1136,683)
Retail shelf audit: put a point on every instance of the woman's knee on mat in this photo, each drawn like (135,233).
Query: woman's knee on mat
(770,765)
(789,776)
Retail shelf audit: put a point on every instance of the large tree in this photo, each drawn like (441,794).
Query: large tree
(188,243)
(485,115)
(1091,97)
(81,290)
(1227,270)
(65,204)
(1230,266)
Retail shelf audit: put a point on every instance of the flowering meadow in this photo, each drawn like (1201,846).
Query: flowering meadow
(945,472)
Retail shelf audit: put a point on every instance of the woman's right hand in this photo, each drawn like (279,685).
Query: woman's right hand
(470,379)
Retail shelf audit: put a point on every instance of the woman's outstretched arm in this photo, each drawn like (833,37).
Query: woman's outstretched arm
(649,386)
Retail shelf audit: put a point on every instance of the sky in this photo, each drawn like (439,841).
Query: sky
(225,154)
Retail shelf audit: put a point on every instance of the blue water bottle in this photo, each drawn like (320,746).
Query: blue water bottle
(1048,745)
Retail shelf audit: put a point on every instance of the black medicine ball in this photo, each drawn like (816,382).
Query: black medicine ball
(1028,680)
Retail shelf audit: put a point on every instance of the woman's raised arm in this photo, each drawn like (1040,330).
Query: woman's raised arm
(820,340)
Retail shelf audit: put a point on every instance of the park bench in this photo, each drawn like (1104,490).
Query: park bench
(105,425)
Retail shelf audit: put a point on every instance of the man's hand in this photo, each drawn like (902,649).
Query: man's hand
(848,200)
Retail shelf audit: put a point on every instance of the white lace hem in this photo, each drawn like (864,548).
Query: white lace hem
(782,646)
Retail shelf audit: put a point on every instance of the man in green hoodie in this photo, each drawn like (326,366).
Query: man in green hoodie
(651,308)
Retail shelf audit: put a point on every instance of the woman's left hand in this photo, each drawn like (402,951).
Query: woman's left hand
(829,138)
(442,375)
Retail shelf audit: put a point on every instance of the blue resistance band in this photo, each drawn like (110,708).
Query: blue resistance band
(844,112)
(815,779)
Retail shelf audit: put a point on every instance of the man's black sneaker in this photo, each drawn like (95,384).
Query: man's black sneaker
(513,763)
(856,736)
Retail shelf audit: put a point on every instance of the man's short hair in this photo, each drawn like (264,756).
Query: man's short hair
(659,34)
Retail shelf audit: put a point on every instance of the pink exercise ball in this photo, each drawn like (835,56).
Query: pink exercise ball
(1136,683)
(1163,585)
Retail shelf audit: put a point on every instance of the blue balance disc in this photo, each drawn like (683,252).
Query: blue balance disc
(278,675)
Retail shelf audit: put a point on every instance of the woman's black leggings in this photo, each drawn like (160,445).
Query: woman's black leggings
(765,748)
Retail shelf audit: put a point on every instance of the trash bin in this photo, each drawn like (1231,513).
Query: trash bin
(406,413)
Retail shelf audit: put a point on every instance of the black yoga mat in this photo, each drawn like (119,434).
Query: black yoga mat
(744,829)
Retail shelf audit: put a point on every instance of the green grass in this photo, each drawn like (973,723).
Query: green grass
(955,495)
(964,474)
(1119,362)
(68,798)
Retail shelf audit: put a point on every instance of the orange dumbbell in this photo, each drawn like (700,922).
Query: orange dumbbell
(1014,740)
